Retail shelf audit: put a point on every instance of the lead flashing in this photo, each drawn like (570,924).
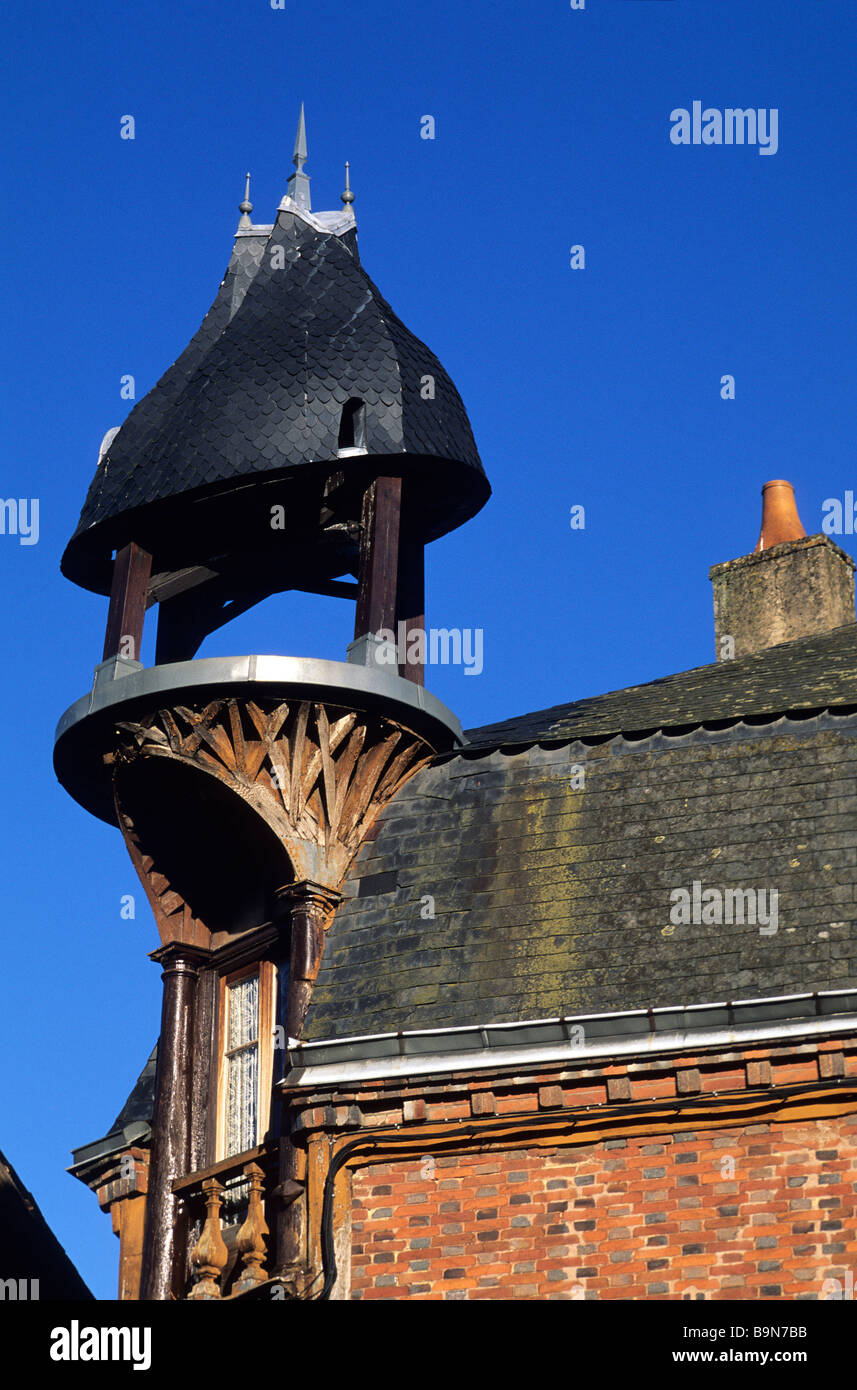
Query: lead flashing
(86,728)
(639,1032)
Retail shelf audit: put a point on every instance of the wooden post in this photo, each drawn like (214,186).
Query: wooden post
(379,557)
(311,910)
(126,614)
(164,1250)
(127,1217)
(411,602)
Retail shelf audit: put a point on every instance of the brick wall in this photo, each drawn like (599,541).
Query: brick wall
(759,1211)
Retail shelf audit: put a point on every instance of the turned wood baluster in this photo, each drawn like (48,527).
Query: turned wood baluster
(209,1255)
(250,1241)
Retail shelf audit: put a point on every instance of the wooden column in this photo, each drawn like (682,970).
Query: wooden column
(127,1217)
(411,601)
(379,557)
(164,1252)
(311,910)
(128,593)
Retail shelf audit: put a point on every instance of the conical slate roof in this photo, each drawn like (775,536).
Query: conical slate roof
(297,330)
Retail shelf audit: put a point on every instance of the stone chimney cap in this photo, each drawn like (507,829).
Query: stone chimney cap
(780,520)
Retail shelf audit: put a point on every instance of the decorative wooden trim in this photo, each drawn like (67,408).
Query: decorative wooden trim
(262,1154)
(250,1241)
(579,1129)
(317,774)
(175,921)
(209,1255)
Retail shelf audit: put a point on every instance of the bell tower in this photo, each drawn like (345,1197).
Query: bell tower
(303,440)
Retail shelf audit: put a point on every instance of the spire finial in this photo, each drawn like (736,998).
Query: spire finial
(300,155)
(246,207)
(347,197)
(297,187)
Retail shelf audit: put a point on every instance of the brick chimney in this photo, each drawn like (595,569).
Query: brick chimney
(791,586)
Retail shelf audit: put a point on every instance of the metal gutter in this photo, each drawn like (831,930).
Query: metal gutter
(116,1142)
(633,1033)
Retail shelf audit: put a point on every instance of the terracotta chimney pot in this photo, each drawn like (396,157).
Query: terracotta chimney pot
(792,585)
(780,521)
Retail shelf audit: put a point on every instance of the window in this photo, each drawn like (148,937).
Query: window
(352,428)
(247,1046)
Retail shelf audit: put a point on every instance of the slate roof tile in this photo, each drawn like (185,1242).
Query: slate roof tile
(556,898)
(305,334)
(809,673)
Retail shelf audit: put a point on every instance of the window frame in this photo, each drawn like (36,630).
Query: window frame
(267,973)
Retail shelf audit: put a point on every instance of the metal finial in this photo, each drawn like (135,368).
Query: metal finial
(246,207)
(297,187)
(347,197)
(300,155)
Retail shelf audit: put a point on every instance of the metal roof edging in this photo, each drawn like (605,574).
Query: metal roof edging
(491,1058)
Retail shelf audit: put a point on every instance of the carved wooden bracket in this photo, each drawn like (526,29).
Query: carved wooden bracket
(317,775)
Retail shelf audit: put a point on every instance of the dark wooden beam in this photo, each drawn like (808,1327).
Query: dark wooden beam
(310,909)
(379,557)
(128,593)
(164,1241)
(331,588)
(410,599)
(185,620)
(192,608)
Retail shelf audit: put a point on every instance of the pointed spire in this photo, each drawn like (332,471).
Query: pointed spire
(246,207)
(347,197)
(300,154)
(297,187)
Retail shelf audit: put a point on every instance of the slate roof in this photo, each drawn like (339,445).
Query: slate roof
(28,1247)
(552,896)
(297,329)
(811,673)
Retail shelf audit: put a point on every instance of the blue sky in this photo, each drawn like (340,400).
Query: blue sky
(596,387)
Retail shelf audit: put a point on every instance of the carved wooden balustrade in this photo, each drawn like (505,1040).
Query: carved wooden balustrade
(227,1259)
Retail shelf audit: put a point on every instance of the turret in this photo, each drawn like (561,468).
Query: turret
(304,439)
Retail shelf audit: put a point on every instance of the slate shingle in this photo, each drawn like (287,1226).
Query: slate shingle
(298,320)
(809,673)
(550,896)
